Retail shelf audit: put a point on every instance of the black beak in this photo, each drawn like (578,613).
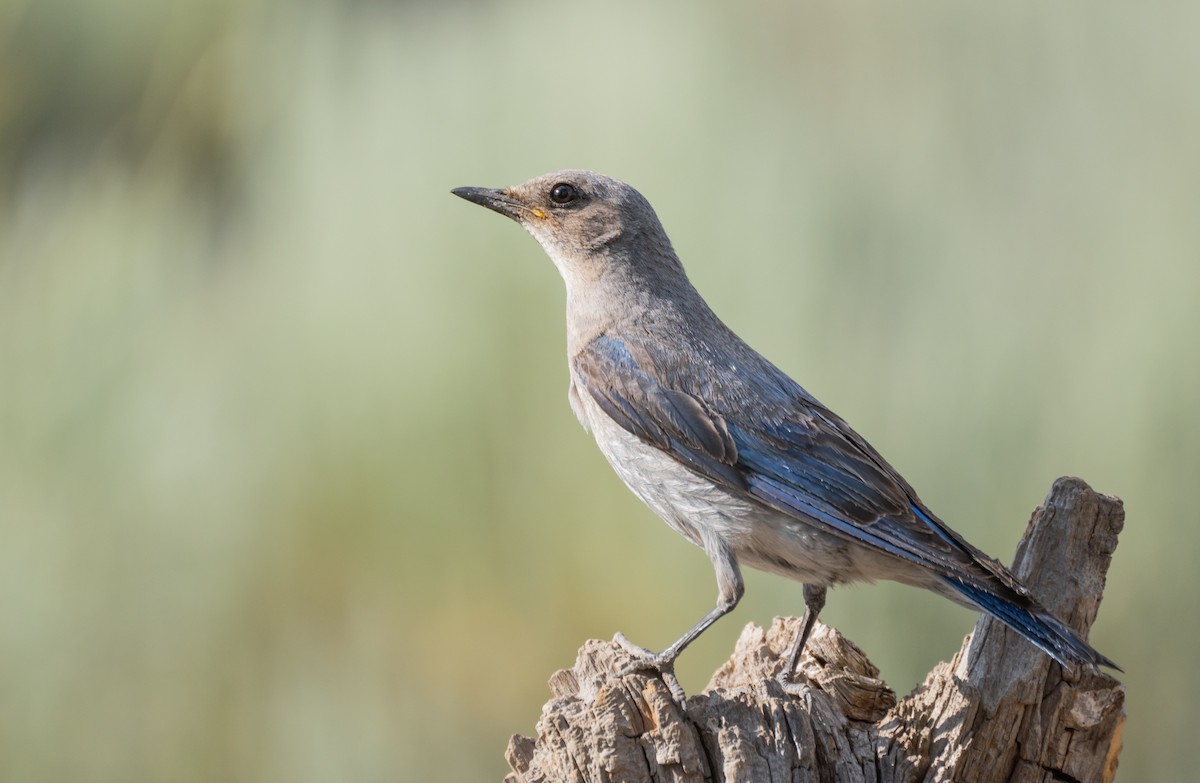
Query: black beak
(494,199)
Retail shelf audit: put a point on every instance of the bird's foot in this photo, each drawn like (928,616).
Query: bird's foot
(644,660)
(794,683)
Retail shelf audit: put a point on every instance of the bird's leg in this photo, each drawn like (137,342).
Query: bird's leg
(729,591)
(665,660)
(814,602)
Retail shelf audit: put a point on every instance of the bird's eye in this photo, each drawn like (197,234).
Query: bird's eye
(562,193)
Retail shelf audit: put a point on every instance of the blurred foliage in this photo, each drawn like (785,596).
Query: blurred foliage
(289,489)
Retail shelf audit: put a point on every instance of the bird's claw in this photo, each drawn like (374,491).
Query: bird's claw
(794,684)
(644,660)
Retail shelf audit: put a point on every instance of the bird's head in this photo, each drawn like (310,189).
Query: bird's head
(586,222)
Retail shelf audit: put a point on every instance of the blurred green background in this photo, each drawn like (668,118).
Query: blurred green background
(289,486)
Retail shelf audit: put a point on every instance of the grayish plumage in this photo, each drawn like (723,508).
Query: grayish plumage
(727,449)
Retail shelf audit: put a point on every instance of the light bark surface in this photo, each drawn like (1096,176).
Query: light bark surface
(1000,710)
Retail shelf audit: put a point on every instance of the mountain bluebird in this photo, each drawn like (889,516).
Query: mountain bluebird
(732,453)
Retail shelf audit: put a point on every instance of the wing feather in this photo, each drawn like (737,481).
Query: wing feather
(776,443)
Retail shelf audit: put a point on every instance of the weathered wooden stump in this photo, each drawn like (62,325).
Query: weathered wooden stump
(999,711)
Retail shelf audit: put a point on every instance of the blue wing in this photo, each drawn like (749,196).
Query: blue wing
(754,430)
(773,442)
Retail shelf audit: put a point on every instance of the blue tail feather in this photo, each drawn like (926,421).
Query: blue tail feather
(1039,627)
